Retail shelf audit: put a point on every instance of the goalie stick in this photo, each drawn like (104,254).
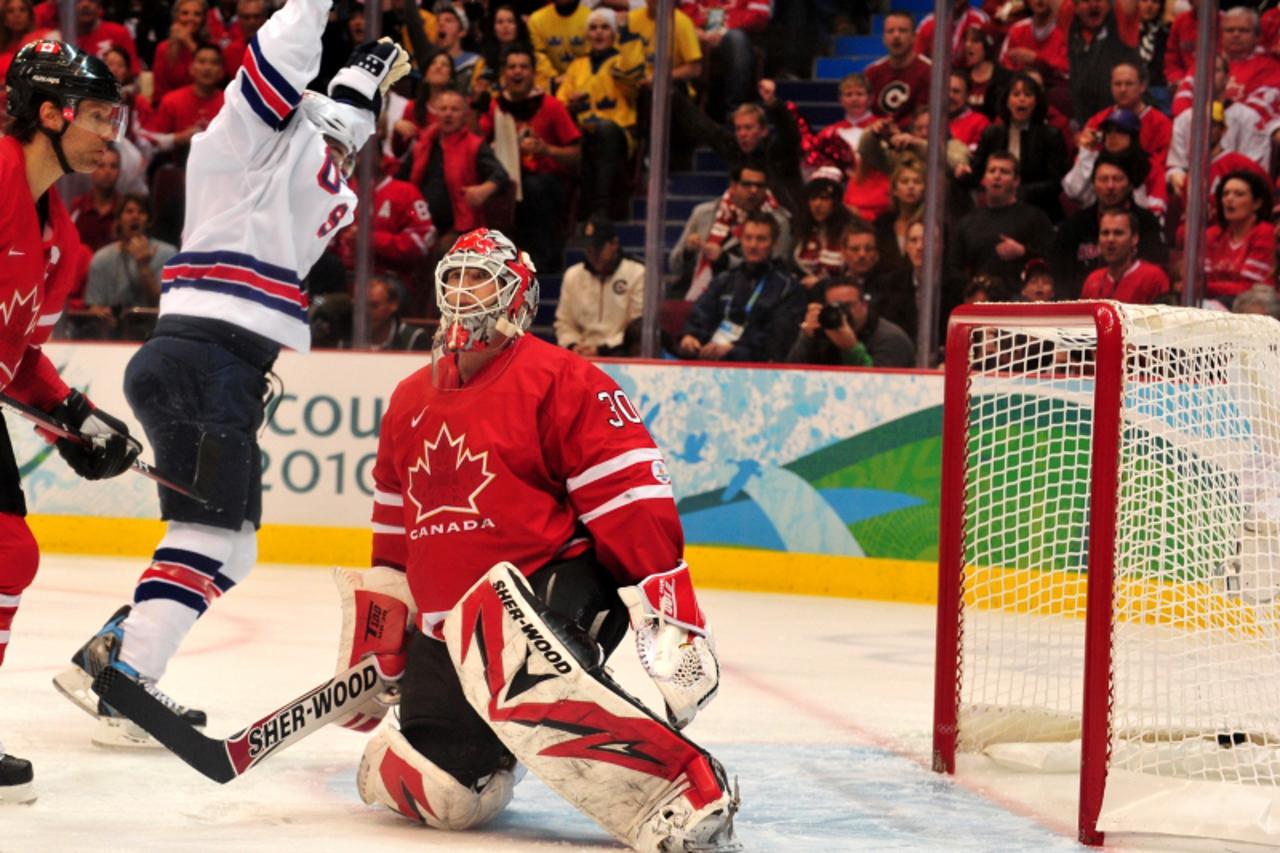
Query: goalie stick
(50,424)
(226,759)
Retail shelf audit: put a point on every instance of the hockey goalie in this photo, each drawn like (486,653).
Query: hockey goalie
(522,518)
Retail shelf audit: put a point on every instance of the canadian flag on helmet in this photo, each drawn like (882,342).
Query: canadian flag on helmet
(50,47)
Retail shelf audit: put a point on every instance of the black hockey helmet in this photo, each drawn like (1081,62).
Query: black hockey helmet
(49,69)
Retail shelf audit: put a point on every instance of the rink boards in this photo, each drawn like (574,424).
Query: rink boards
(791,480)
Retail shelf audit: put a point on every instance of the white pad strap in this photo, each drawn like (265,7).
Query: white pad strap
(392,773)
(547,698)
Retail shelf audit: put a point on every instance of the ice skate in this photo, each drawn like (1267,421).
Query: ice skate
(677,827)
(76,683)
(116,730)
(16,785)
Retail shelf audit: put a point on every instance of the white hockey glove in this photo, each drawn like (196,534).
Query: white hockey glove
(377,612)
(673,641)
(371,71)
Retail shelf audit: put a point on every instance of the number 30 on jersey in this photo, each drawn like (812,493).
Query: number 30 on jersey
(620,409)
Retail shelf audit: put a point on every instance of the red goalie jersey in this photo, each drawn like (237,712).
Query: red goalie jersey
(539,457)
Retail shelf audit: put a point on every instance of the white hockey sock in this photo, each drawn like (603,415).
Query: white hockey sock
(187,572)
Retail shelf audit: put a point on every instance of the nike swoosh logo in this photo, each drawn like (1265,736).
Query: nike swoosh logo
(413,424)
(15,252)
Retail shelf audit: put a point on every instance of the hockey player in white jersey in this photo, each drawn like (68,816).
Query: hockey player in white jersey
(265,192)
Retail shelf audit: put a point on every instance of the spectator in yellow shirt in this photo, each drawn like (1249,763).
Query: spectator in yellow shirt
(559,30)
(686,52)
(600,91)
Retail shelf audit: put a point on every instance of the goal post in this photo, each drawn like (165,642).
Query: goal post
(1109,558)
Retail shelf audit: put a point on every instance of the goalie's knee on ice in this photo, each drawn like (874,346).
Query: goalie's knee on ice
(394,775)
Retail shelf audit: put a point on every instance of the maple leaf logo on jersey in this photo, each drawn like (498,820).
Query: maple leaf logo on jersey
(9,311)
(448,477)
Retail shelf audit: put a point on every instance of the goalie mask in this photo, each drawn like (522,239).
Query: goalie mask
(484,286)
(344,127)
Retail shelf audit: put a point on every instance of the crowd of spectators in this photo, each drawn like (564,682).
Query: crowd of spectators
(1068,129)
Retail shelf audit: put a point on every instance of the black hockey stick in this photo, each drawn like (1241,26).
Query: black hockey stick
(49,423)
(224,760)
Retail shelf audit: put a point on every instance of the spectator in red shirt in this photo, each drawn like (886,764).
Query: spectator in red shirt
(94,213)
(1252,68)
(966,124)
(250,16)
(455,169)
(420,114)
(964,18)
(899,81)
(1125,277)
(171,69)
(402,229)
(1039,43)
(185,112)
(1180,49)
(1240,250)
(550,149)
(97,35)
(222,23)
(837,143)
(1128,89)
(17,27)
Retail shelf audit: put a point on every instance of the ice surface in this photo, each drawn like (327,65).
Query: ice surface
(823,715)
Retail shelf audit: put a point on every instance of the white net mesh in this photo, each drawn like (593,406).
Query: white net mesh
(1195,689)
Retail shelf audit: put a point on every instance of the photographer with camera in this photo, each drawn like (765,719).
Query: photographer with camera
(843,329)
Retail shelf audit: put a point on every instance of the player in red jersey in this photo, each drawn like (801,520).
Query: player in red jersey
(64,107)
(510,470)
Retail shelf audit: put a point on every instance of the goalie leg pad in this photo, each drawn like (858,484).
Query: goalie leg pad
(393,774)
(543,692)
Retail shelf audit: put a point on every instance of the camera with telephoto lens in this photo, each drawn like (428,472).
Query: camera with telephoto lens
(831,317)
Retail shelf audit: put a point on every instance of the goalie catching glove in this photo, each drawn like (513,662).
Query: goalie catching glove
(673,642)
(107,449)
(377,610)
(371,71)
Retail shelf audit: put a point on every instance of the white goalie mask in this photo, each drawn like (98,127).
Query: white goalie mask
(340,123)
(484,286)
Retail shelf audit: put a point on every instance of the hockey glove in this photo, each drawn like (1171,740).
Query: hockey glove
(107,449)
(373,69)
(377,611)
(673,642)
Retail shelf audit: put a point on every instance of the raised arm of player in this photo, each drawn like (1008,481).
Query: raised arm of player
(279,61)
